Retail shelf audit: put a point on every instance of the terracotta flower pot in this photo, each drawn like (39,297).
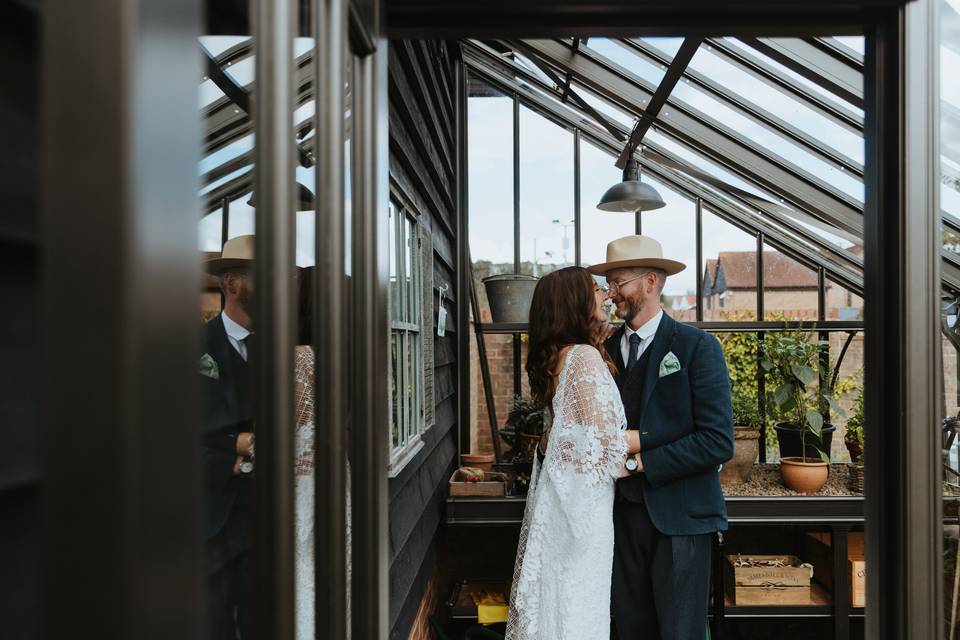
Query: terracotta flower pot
(745,446)
(477,460)
(804,475)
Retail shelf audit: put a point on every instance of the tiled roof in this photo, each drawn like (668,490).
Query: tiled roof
(738,270)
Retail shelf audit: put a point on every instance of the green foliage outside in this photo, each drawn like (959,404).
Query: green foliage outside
(741,350)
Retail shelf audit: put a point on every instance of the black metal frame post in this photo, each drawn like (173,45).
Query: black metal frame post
(370,344)
(464,267)
(516,233)
(272,359)
(330,323)
(902,348)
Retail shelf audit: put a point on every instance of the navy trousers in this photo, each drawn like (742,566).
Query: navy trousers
(661,583)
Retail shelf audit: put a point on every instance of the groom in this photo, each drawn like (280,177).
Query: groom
(675,389)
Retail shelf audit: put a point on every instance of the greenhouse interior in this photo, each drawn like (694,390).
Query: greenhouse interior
(352,213)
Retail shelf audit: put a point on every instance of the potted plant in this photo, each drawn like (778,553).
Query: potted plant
(853,439)
(793,361)
(746,434)
(524,426)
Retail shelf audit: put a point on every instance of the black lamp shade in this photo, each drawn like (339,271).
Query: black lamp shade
(305,199)
(631,194)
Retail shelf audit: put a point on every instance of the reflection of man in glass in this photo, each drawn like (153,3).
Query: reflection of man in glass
(228,443)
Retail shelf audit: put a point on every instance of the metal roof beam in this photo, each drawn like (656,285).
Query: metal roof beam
(711,138)
(670,79)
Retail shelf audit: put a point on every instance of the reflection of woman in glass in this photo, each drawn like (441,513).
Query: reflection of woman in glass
(303,467)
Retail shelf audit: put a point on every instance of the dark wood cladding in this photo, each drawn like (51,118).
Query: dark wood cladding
(422,170)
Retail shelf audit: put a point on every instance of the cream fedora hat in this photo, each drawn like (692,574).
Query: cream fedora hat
(237,253)
(636,251)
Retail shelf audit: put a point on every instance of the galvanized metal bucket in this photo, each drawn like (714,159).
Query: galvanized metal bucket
(509,295)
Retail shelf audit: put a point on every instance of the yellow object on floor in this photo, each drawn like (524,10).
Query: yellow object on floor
(491,613)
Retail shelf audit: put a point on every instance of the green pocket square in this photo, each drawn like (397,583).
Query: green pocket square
(669,364)
(208,367)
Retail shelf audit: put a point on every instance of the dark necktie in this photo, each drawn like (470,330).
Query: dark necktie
(634,351)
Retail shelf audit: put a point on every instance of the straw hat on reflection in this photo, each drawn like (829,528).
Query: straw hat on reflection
(237,254)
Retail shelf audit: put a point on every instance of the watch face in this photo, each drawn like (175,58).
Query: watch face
(246,466)
(631,464)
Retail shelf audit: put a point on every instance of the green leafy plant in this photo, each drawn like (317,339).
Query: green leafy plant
(745,411)
(798,398)
(855,422)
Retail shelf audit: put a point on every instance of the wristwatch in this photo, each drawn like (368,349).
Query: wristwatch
(632,464)
(246,467)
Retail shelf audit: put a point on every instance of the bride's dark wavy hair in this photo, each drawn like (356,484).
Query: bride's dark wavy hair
(563,312)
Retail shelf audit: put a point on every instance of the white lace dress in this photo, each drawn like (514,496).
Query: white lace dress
(561,580)
(304,567)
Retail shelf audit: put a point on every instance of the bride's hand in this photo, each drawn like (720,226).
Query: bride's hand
(544,439)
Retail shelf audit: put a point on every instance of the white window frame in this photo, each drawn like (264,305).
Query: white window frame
(406,325)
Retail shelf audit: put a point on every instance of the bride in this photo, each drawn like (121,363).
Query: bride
(561,583)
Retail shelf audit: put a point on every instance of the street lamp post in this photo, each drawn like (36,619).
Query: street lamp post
(566,240)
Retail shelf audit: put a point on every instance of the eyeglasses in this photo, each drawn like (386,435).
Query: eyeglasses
(616,286)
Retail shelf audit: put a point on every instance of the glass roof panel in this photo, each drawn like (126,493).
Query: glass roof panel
(857,43)
(229,152)
(629,61)
(218,44)
(670,46)
(768,139)
(812,86)
(779,104)
(208,93)
(227,178)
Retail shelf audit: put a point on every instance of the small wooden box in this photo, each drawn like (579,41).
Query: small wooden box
(761,596)
(787,585)
(793,574)
(817,548)
(460,487)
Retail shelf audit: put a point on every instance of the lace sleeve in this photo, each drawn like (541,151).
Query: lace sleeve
(587,437)
(304,433)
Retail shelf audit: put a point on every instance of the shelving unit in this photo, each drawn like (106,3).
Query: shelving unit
(838,514)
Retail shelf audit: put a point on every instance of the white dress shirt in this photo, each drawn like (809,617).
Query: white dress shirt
(236,335)
(646,333)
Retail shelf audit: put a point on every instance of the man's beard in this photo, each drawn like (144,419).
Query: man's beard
(631,310)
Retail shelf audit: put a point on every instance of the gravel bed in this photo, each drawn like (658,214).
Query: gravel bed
(764,480)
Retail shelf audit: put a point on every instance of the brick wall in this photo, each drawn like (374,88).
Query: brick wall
(420,629)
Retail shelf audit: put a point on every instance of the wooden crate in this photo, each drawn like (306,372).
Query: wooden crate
(459,487)
(761,596)
(793,574)
(817,549)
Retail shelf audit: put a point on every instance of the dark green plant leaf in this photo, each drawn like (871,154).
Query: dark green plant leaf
(815,421)
(783,394)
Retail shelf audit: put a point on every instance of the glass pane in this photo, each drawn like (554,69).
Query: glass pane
(842,304)
(408,249)
(393,261)
(849,394)
(490,162)
(729,271)
(651,73)
(546,195)
(674,227)
(597,228)
(395,382)
(789,288)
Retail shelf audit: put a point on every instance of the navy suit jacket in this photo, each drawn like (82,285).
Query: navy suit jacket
(226,412)
(685,421)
